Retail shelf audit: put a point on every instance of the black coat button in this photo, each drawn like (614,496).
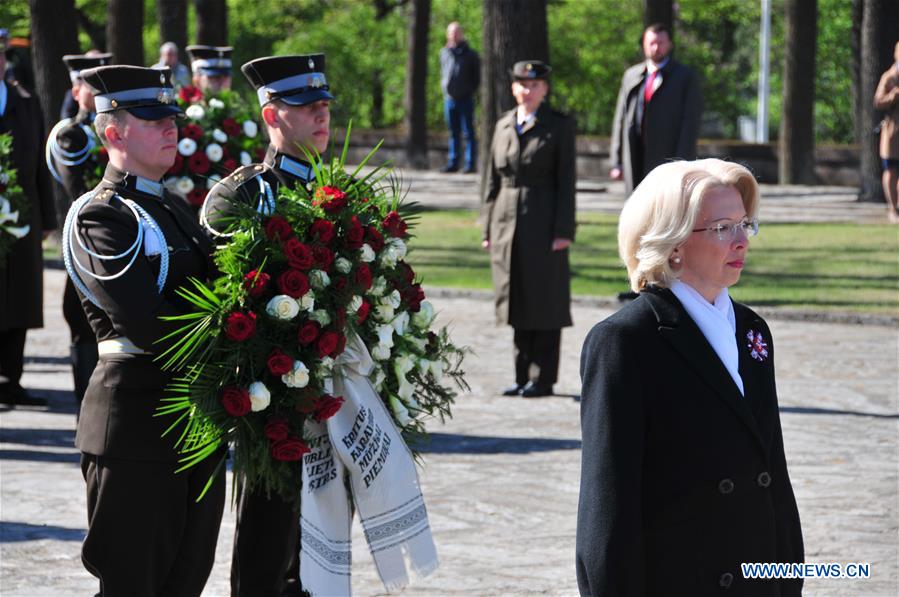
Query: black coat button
(726,486)
(764,479)
(726,580)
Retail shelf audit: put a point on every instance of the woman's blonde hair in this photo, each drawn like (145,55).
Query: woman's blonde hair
(663,209)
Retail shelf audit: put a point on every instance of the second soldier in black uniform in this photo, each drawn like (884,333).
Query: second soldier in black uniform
(71,160)
(128,247)
(295,100)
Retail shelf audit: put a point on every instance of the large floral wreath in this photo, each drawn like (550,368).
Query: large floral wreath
(218,135)
(258,351)
(13,203)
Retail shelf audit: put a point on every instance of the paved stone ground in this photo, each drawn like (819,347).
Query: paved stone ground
(501,478)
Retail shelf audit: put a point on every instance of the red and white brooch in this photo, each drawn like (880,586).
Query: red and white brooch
(758,348)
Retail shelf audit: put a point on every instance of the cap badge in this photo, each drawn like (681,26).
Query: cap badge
(316,81)
(311,63)
(166,95)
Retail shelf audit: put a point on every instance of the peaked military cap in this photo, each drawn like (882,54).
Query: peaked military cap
(212,61)
(295,80)
(79,62)
(145,92)
(530,69)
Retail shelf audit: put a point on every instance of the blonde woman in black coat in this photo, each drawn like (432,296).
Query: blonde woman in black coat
(683,474)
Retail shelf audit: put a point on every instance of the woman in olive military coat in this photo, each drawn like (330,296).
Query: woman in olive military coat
(528,223)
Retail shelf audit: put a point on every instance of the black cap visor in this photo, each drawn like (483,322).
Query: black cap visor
(156,112)
(306,97)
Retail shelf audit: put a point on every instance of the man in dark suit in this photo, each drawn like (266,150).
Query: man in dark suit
(71,160)
(657,113)
(295,100)
(128,247)
(21,276)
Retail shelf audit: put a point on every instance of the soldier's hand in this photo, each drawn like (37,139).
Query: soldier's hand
(615,173)
(561,243)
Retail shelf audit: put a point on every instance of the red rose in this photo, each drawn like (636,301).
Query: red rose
(299,256)
(196,196)
(198,163)
(331,199)
(293,283)
(327,406)
(354,234)
(394,225)
(178,166)
(307,333)
(190,94)
(339,283)
(362,276)
(406,271)
(323,230)
(374,238)
(340,318)
(256,282)
(362,312)
(322,257)
(260,154)
(327,343)
(236,401)
(230,165)
(277,227)
(341,344)
(240,326)
(276,429)
(231,128)
(289,449)
(192,131)
(413,296)
(279,363)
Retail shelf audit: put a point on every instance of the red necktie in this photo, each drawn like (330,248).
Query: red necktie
(648,89)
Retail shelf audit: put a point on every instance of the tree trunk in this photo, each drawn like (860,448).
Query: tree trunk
(875,59)
(125,31)
(659,11)
(797,124)
(416,99)
(53,34)
(212,22)
(857,11)
(377,99)
(513,31)
(172,16)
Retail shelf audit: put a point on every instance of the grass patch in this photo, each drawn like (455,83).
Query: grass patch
(833,267)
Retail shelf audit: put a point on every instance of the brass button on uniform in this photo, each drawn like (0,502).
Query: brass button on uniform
(764,479)
(726,580)
(725,487)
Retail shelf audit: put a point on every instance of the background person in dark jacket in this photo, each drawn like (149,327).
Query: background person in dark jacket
(460,74)
(683,474)
(528,223)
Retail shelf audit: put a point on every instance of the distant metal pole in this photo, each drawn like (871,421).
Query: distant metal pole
(761,123)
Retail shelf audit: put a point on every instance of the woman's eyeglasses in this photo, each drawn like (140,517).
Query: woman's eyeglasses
(728,232)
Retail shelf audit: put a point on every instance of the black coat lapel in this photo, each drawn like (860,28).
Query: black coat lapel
(678,328)
(757,372)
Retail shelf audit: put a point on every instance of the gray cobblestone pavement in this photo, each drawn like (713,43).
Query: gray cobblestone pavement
(501,478)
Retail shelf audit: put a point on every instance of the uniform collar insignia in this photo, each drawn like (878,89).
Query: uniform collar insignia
(147,186)
(295,168)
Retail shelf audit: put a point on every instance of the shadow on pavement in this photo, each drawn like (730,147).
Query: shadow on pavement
(811,410)
(22,531)
(38,456)
(54,438)
(452,443)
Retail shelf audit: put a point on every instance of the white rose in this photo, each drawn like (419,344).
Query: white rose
(307,301)
(401,366)
(388,257)
(282,307)
(216,103)
(399,412)
(214,152)
(321,316)
(384,313)
(380,352)
(378,286)
(187,146)
(260,397)
(325,367)
(385,334)
(420,344)
(437,369)
(219,135)
(343,265)
(184,185)
(401,322)
(298,376)
(424,317)
(394,299)
(378,378)
(249,128)
(195,112)
(355,303)
(210,182)
(398,246)
(245,159)
(368,254)
(319,279)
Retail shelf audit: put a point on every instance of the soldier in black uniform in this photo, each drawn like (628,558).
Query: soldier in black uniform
(70,157)
(211,67)
(295,100)
(128,246)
